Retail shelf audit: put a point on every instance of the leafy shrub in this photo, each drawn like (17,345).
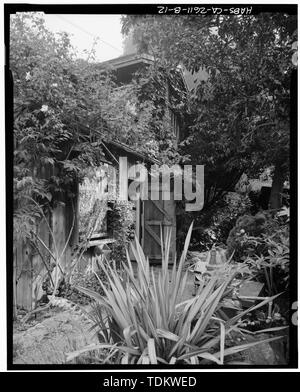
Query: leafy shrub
(141,320)
(272,267)
(262,243)
(88,280)
(121,227)
(68,290)
(249,226)
(212,226)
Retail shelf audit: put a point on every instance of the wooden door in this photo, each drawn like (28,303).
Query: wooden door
(157,214)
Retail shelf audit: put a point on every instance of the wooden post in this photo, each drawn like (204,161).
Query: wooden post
(15,287)
(123,178)
(24,277)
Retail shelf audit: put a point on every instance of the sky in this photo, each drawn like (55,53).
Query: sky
(84,29)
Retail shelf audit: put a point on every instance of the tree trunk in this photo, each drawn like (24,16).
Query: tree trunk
(275,201)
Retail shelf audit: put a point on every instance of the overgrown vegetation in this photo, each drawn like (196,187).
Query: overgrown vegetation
(63,108)
(238,112)
(141,319)
(212,225)
(252,235)
(235,121)
(121,225)
(261,243)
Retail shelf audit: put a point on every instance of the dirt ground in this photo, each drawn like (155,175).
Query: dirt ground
(57,332)
(48,341)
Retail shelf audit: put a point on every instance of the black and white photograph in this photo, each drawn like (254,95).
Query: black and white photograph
(151,168)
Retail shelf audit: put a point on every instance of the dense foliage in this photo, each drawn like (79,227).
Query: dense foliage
(213,225)
(271,265)
(248,227)
(121,226)
(141,319)
(63,108)
(239,113)
(57,103)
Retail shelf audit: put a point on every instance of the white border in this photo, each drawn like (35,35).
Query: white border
(3,335)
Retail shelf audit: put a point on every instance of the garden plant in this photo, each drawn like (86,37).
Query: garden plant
(142,320)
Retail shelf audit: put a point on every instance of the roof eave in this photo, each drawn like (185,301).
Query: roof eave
(124,61)
(136,154)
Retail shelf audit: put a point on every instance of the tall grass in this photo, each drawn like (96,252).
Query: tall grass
(141,319)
